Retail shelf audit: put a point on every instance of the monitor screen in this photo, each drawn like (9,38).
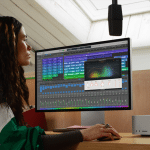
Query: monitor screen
(86,77)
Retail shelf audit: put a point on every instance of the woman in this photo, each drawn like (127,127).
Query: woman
(15,53)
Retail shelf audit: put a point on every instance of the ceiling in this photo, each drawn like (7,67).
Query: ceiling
(103,4)
(58,23)
(98,9)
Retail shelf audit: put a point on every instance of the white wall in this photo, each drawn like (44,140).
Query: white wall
(141,59)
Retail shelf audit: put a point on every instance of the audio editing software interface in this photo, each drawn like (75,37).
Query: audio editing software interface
(83,77)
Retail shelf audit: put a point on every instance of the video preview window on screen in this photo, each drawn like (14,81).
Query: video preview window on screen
(84,77)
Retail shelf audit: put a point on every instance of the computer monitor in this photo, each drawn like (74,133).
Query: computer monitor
(85,77)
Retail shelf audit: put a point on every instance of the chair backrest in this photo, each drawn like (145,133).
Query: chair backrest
(35,118)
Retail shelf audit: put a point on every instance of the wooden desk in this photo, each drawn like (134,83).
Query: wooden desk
(128,141)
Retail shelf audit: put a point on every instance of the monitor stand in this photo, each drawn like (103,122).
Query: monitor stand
(90,118)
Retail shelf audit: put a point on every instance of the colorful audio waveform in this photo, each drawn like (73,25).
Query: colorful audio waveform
(121,106)
(106,72)
(95,74)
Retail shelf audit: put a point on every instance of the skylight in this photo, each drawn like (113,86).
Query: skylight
(97,10)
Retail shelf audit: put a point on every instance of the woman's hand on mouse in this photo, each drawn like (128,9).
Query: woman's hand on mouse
(98,131)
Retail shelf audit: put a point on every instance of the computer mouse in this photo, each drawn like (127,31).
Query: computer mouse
(104,138)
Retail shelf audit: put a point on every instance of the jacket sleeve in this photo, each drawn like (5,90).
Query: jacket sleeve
(60,141)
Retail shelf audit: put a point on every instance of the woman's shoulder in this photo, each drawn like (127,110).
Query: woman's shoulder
(6,115)
(5,109)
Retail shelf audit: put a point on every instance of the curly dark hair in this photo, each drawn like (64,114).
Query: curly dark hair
(14,88)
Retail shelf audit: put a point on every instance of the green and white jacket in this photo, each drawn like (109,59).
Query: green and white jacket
(15,137)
